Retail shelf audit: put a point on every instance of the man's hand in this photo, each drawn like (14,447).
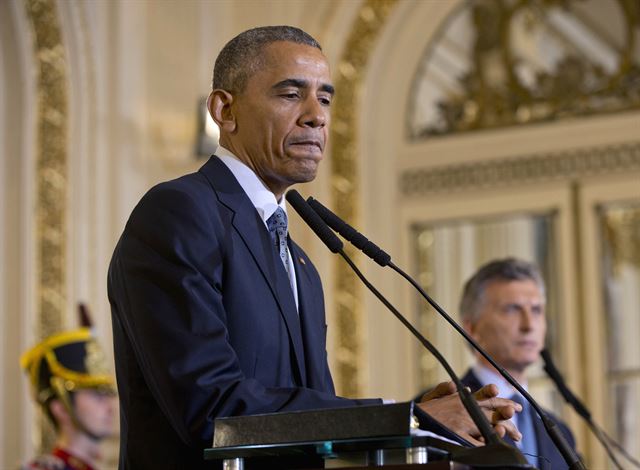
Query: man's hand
(443,404)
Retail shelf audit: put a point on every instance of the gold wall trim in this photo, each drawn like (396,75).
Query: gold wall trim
(352,68)
(51,178)
(51,164)
(621,230)
(595,161)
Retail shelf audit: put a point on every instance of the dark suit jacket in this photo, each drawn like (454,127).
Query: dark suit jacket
(549,456)
(205,323)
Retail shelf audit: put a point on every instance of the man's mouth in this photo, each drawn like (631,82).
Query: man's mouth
(311,144)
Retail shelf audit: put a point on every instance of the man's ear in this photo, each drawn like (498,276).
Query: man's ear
(59,411)
(469,327)
(219,106)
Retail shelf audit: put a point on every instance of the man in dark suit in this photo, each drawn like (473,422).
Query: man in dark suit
(216,311)
(503,309)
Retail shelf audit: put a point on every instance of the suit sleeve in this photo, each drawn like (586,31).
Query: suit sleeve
(166,288)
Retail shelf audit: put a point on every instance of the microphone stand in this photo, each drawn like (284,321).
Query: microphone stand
(383,259)
(557,437)
(495,451)
(556,377)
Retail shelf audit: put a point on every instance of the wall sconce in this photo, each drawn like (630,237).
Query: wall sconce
(208,132)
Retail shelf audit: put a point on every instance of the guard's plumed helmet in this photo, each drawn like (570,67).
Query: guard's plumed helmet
(66,362)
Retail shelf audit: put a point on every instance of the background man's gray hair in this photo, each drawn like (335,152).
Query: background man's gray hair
(242,56)
(509,269)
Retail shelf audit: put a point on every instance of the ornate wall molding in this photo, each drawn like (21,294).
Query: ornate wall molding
(51,173)
(499,73)
(621,231)
(51,163)
(344,181)
(522,170)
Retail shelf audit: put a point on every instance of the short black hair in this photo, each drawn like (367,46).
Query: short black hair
(508,269)
(241,56)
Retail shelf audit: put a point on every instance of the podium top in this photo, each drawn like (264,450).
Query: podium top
(314,425)
(332,433)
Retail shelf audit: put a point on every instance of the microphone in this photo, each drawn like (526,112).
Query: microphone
(358,240)
(353,236)
(314,221)
(580,408)
(496,451)
(556,377)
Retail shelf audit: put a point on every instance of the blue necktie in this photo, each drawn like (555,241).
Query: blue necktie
(527,445)
(277,225)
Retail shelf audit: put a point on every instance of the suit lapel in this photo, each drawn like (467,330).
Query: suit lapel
(251,229)
(313,330)
(471,381)
(546,447)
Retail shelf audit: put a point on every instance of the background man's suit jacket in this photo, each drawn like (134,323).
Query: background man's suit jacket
(205,323)
(551,457)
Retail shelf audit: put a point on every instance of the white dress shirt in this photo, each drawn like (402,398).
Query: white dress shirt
(261,197)
(488,376)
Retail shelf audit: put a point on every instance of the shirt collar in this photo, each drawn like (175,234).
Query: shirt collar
(261,197)
(488,376)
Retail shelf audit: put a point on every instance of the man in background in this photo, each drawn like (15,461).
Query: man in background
(70,380)
(503,309)
(216,311)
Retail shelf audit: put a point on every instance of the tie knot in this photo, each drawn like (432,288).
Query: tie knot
(278,221)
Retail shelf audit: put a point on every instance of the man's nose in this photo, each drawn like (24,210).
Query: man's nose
(526,319)
(314,114)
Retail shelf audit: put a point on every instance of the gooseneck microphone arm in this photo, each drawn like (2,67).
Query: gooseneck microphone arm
(383,259)
(335,245)
(580,408)
(491,437)
(558,380)
(570,457)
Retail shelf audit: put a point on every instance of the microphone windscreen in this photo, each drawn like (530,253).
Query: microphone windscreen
(314,221)
(358,240)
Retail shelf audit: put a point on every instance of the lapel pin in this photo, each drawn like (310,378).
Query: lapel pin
(301,261)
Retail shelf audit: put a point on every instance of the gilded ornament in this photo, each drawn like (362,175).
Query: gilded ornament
(344,177)
(621,231)
(51,170)
(501,85)
(95,362)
